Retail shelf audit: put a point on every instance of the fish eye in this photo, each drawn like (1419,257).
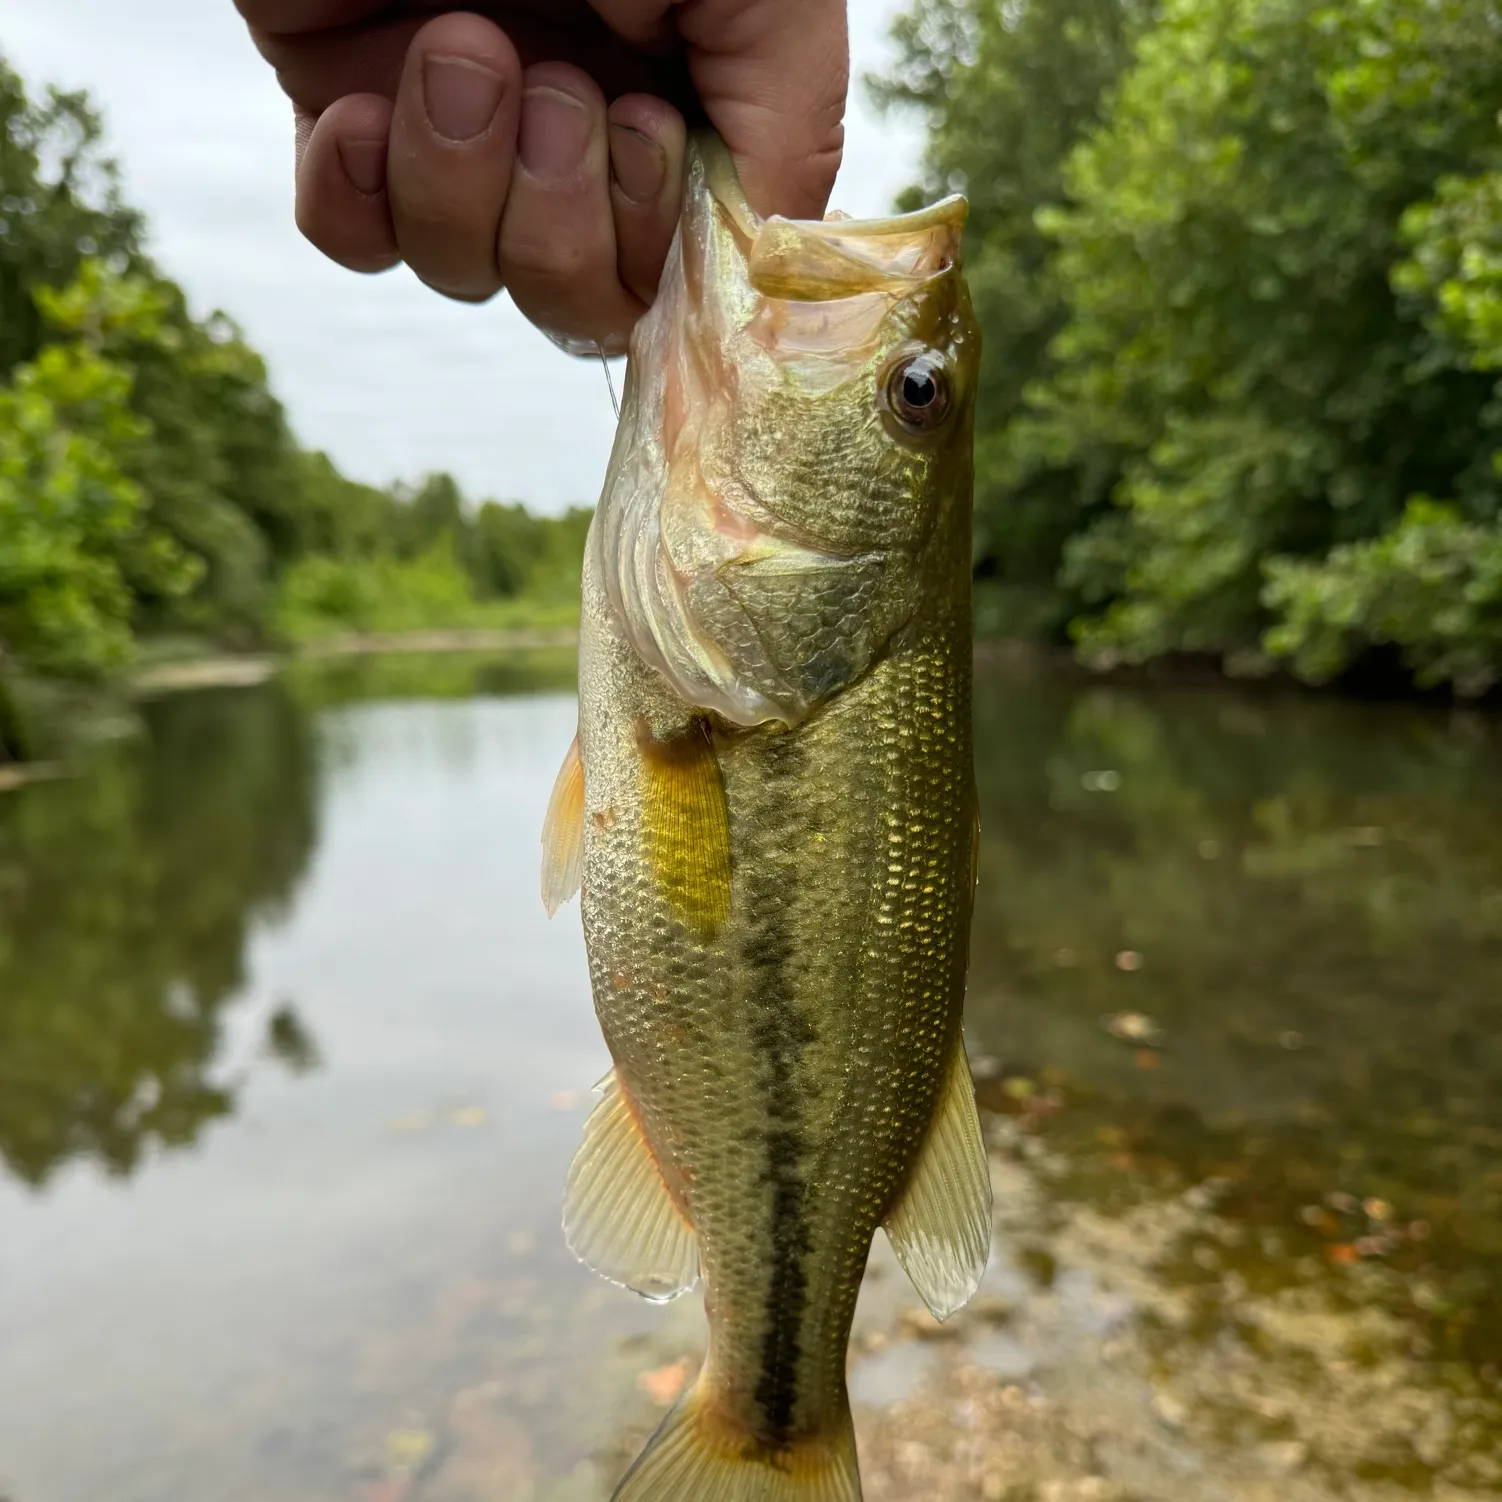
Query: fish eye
(917,392)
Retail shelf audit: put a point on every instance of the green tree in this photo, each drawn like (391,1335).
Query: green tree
(1236,263)
(1234,329)
(430,513)
(219,465)
(75,530)
(339,517)
(1431,586)
(212,455)
(60,204)
(149,481)
(508,544)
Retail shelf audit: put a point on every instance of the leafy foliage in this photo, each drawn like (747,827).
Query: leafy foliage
(1431,586)
(1259,240)
(60,204)
(149,481)
(75,533)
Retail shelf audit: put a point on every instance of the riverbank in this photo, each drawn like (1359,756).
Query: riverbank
(53,724)
(19,774)
(185,666)
(232,671)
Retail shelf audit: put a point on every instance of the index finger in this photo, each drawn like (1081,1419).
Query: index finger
(291,16)
(323,50)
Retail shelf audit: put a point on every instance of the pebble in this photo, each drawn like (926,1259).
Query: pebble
(1285,1455)
(1171,1410)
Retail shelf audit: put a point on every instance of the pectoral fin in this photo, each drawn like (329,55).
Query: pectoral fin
(688,826)
(618,1216)
(941,1227)
(563,833)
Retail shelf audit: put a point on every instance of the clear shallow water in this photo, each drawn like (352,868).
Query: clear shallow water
(292,1065)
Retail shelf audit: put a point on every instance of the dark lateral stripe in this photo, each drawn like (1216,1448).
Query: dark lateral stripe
(780,1033)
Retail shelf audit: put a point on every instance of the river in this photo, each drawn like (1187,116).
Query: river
(292,1065)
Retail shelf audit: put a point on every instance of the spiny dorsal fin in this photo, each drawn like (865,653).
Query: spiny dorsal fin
(688,825)
(941,1227)
(563,833)
(618,1216)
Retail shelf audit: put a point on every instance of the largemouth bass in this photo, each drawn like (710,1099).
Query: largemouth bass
(771,805)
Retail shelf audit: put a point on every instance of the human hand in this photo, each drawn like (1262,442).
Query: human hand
(537,145)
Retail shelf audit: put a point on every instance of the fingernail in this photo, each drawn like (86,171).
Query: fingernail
(554,133)
(637,163)
(461,97)
(364,164)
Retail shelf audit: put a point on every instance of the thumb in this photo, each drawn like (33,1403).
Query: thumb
(773,76)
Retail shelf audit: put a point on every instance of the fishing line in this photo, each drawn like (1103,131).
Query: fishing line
(609,379)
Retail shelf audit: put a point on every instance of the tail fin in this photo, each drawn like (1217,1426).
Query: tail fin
(695,1457)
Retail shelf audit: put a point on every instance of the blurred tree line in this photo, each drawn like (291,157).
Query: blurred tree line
(149,481)
(1239,268)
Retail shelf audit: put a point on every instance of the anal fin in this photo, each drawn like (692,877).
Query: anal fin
(940,1229)
(563,833)
(618,1215)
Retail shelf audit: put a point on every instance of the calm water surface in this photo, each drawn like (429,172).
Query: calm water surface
(292,1066)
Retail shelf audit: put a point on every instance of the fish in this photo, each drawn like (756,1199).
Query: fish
(770,812)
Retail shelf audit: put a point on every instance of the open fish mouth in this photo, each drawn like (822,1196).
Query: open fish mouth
(813,259)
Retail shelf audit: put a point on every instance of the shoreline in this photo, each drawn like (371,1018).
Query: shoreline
(250,669)
(246,670)
(190,674)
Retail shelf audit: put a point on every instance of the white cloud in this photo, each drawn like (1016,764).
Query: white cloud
(388,377)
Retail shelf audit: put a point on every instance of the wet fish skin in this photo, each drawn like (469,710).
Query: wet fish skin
(776,818)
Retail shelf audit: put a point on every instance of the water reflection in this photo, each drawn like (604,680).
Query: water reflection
(428,676)
(125,900)
(1234,998)
(355,1285)
(1259,938)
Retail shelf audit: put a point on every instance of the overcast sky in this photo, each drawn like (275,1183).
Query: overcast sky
(390,378)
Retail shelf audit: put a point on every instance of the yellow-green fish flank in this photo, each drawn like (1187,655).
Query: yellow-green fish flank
(775,823)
